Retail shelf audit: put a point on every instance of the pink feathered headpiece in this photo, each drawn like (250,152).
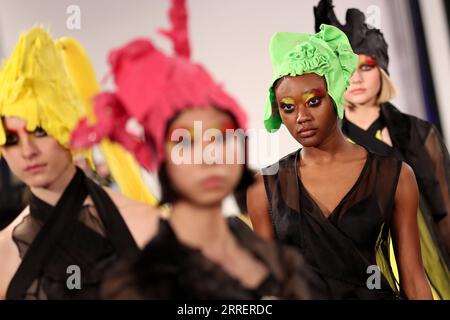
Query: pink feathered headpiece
(152,88)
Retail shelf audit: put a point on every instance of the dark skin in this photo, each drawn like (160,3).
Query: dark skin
(308,113)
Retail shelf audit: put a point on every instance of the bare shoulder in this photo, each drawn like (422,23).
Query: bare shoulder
(407,172)
(9,254)
(258,184)
(257,192)
(407,181)
(358,153)
(6,234)
(407,194)
(142,219)
(138,208)
(258,208)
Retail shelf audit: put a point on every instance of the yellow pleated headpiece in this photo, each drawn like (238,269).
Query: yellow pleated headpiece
(35,87)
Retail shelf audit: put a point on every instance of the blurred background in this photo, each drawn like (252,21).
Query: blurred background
(231,39)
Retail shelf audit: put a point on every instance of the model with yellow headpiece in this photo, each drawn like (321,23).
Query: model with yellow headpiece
(70,219)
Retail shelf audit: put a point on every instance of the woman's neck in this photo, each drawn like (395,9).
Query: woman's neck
(204,228)
(53,192)
(363,115)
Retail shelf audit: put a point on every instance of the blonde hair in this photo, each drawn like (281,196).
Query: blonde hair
(388,90)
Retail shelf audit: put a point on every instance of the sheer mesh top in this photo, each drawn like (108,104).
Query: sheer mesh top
(168,269)
(341,247)
(69,239)
(85,246)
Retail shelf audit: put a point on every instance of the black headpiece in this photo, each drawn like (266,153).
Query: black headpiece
(363,39)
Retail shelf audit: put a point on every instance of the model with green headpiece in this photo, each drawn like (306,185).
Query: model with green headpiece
(327,53)
(373,121)
(334,200)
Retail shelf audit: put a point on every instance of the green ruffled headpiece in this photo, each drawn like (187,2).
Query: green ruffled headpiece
(327,53)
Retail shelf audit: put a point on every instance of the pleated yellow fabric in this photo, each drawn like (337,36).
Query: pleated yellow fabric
(124,169)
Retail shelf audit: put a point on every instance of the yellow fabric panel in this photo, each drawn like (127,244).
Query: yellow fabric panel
(126,173)
(124,169)
(246,220)
(435,270)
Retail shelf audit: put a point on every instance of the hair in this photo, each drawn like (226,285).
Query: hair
(388,91)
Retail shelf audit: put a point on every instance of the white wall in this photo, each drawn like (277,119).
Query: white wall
(438,44)
(230,38)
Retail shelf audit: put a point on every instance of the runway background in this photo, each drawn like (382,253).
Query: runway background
(231,39)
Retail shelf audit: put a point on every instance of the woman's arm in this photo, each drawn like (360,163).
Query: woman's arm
(413,282)
(9,254)
(440,162)
(258,209)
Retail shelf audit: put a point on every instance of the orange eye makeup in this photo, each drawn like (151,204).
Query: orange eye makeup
(367,63)
(287,100)
(287,104)
(177,134)
(228,125)
(313,98)
(192,133)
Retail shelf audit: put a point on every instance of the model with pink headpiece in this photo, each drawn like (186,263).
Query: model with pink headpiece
(192,128)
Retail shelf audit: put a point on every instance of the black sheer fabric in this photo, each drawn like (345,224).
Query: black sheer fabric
(168,269)
(12,196)
(50,239)
(419,144)
(339,248)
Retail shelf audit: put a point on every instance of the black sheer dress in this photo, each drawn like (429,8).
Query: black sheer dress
(342,247)
(168,269)
(52,239)
(419,144)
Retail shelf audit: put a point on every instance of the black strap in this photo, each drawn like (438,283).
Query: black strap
(48,239)
(116,228)
(365,138)
(377,125)
(64,215)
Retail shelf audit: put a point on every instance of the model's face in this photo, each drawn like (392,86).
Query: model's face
(203,164)
(34,157)
(365,83)
(306,109)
